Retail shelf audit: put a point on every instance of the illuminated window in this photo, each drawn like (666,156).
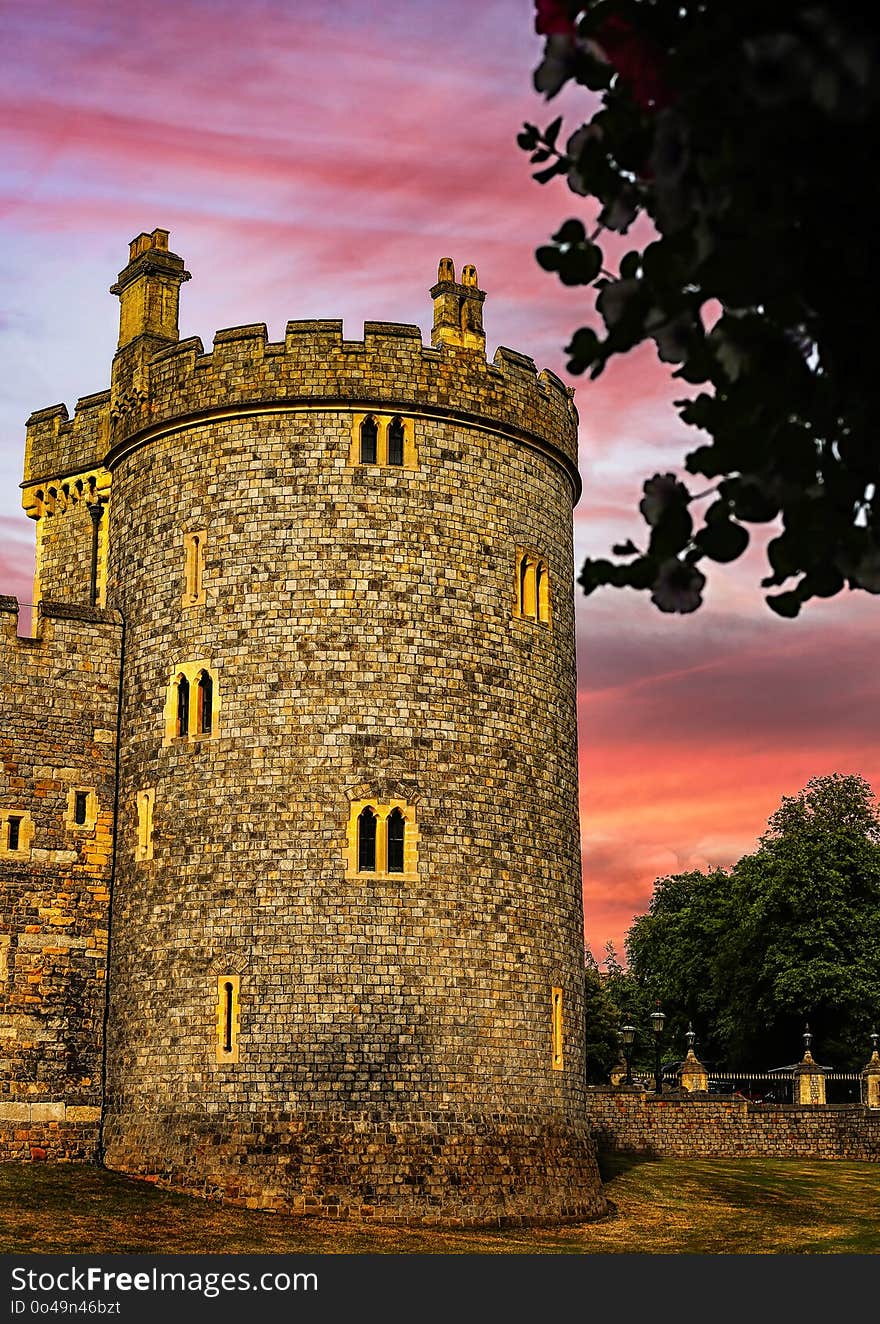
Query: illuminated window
(205,701)
(382,840)
(228,988)
(366,849)
(182,706)
(396,826)
(532,602)
(386,440)
(369,441)
(192,702)
(556,1028)
(395,440)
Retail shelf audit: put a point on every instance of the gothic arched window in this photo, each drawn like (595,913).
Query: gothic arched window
(396,825)
(395,440)
(366,841)
(369,440)
(182,728)
(205,704)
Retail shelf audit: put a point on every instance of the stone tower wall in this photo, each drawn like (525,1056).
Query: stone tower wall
(395,1049)
(58,700)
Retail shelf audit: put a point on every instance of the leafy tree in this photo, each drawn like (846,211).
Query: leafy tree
(601,1022)
(630,995)
(747,133)
(681,951)
(791,934)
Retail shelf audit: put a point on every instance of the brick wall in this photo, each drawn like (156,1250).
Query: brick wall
(714,1126)
(58,695)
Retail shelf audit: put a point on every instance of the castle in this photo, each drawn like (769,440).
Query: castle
(289,848)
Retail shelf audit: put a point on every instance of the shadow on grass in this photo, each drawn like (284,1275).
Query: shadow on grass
(612,1163)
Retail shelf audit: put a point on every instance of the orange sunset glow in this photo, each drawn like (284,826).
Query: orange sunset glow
(317,162)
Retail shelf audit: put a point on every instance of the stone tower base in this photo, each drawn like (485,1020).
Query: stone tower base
(428,1168)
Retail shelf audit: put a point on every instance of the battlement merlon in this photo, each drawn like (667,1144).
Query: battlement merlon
(58,446)
(57,624)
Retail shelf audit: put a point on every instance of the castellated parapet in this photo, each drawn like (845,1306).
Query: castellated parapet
(345,973)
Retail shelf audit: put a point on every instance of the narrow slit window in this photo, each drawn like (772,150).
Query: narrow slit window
(396,828)
(527,585)
(182,706)
(194,556)
(556,1031)
(205,703)
(395,441)
(369,440)
(366,841)
(227,1017)
(80,807)
(13,833)
(228,989)
(144,807)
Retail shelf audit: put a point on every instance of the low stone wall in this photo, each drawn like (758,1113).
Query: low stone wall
(726,1126)
(52,1132)
(478,1171)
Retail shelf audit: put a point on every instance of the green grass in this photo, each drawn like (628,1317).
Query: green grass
(661,1207)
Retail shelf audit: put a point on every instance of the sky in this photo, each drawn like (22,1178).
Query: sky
(317,161)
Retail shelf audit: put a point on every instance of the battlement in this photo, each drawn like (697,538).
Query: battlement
(159,381)
(58,445)
(49,631)
(315,363)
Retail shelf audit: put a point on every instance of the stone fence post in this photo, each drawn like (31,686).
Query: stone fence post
(809,1081)
(692,1075)
(871,1077)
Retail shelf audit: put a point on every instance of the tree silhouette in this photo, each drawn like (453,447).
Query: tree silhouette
(747,132)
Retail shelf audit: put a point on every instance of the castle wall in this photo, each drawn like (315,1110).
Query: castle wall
(631,1121)
(58,697)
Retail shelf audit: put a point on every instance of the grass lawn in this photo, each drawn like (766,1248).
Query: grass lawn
(662,1207)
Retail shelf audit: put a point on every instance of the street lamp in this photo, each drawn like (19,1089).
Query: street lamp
(658,1020)
(627,1034)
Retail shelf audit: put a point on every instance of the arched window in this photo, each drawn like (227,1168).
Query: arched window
(532,588)
(395,440)
(527,587)
(366,841)
(396,827)
(205,704)
(369,436)
(182,728)
(542,592)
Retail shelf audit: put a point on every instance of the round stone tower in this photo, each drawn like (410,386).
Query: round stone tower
(347,936)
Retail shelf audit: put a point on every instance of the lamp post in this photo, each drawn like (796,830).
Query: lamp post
(96,510)
(627,1034)
(658,1020)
